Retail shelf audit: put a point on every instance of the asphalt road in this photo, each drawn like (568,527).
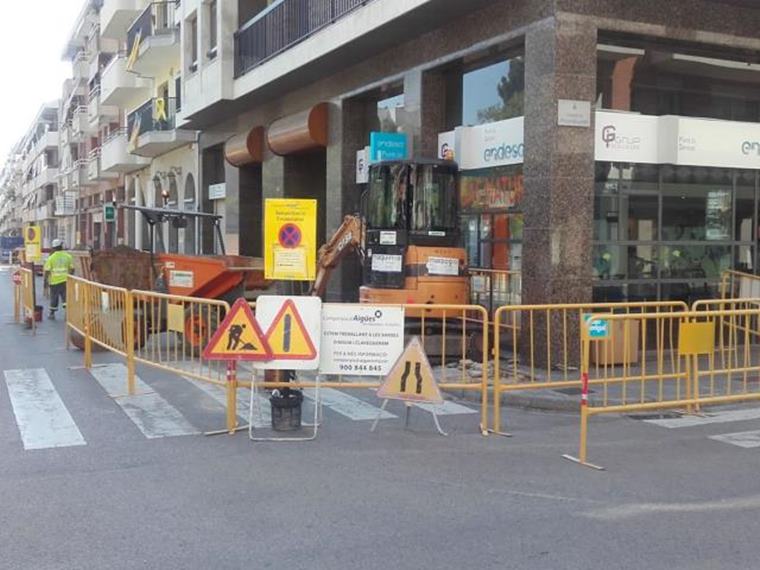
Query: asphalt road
(111,497)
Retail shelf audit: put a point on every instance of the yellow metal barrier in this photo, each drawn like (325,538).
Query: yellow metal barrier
(17,296)
(737,285)
(540,346)
(27,297)
(456,340)
(170,333)
(683,364)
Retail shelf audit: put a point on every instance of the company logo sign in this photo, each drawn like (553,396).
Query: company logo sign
(613,140)
(751,147)
(368,319)
(504,152)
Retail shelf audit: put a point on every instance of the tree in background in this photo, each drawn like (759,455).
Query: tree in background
(511,90)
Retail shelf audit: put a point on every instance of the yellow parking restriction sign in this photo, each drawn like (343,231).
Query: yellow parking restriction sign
(290,239)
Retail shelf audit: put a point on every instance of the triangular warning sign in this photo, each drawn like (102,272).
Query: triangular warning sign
(288,336)
(411,379)
(239,337)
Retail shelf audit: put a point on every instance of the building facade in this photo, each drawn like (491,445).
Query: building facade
(608,150)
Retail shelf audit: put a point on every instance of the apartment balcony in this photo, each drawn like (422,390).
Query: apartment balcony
(94,169)
(119,87)
(115,158)
(47,141)
(46,211)
(81,65)
(116,16)
(46,177)
(98,113)
(283,25)
(65,204)
(152,129)
(80,123)
(153,40)
(79,175)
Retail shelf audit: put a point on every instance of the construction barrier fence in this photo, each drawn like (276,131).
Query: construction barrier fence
(685,360)
(456,341)
(24,297)
(169,332)
(540,347)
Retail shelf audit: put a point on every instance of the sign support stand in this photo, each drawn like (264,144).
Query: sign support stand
(314,425)
(407,414)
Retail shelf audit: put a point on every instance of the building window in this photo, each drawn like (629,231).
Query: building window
(212,30)
(668,232)
(494,92)
(193,25)
(389,113)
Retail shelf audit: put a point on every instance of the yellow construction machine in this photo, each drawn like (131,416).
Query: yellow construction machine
(407,237)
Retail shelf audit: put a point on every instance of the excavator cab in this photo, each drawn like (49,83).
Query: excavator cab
(407,236)
(412,236)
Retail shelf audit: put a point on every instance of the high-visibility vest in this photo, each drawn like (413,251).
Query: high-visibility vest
(59,264)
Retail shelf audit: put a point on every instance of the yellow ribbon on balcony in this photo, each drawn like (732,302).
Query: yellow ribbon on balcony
(135,51)
(159,110)
(134,135)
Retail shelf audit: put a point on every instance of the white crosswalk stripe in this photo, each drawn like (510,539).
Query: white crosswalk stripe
(707,419)
(44,421)
(153,416)
(41,416)
(745,439)
(347,406)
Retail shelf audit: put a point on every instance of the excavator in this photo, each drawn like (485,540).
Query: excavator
(407,237)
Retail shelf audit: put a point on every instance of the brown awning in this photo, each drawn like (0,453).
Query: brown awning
(245,148)
(300,132)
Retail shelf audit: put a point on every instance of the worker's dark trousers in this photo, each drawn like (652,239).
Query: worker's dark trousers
(57,292)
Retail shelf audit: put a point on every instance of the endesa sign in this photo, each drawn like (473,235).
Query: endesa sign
(484,146)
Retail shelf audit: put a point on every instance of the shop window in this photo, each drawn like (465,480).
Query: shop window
(389,112)
(494,92)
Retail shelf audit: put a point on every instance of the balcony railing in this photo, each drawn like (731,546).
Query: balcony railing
(283,25)
(157,19)
(153,115)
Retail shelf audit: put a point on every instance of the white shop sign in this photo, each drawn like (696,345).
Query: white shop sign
(627,137)
(360,340)
(362,166)
(682,141)
(495,144)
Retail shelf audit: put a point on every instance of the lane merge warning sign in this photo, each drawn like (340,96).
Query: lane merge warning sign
(239,337)
(411,379)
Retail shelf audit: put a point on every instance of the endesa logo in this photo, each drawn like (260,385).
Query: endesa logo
(751,147)
(504,152)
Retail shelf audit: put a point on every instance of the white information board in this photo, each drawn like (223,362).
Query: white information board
(360,340)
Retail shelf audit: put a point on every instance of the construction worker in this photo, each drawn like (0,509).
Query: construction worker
(57,268)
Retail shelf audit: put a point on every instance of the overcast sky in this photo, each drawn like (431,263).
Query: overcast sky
(32,37)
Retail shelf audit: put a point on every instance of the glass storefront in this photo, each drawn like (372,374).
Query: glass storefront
(492,218)
(668,232)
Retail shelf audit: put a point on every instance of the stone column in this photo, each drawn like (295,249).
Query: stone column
(560,63)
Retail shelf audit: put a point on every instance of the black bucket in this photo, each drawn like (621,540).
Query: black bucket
(286,411)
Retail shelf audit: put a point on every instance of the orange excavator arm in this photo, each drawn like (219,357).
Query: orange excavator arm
(347,238)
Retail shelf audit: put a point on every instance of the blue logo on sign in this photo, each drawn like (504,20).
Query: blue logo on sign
(597,329)
(387,146)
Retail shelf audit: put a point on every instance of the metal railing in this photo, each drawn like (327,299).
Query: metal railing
(154,115)
(157,19)
(494,288)
(283,25)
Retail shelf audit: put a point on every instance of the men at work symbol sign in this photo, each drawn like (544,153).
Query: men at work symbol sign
(239,337)
(411,379)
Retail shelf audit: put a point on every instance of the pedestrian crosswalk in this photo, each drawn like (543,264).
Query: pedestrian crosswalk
(744,439)
(46,418)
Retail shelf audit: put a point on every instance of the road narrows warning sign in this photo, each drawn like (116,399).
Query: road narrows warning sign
(289,337)
(411,379)
(239,337)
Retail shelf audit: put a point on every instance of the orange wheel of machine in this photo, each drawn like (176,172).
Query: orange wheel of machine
(198,330)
